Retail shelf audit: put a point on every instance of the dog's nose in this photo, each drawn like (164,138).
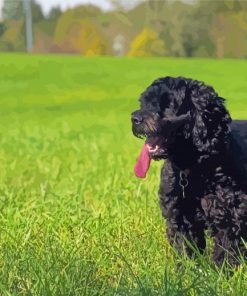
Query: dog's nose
(136,118)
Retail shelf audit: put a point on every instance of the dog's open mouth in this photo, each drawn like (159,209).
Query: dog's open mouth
(154,148)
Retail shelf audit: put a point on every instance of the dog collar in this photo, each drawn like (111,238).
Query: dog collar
(183,180)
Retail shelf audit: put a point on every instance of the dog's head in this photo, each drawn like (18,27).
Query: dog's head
(180,107)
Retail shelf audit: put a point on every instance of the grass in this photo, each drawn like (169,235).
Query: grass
(74,220)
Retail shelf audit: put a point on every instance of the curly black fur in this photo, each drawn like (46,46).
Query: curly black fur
(197,137)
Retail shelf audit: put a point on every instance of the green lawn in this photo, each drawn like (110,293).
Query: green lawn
(74,220)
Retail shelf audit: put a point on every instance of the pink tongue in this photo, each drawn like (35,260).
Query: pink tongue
(143,163)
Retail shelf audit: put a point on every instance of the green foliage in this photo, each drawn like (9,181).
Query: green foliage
(54,13)
(13,38)
(147,44)
(12,10)
(2,28)
(74,219)
(45,26)
(37,14)
(76,35)
(195,33)
(230,29)
(12,31)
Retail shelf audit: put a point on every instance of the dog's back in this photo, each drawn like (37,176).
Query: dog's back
(238,147)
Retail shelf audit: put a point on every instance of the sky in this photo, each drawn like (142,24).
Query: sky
(48,4)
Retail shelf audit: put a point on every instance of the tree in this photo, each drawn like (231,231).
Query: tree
(173,31)
(76,35)
(37,14)
(86,39)
(146,44)
(229,32)
(54,13)
(12,10)
(13,37)
(2,28)
(44,43)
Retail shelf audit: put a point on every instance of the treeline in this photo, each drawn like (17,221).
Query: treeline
(152,28)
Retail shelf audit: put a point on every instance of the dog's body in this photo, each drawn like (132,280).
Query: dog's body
(204,179)
(215,198)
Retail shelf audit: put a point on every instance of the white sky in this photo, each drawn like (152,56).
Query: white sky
(48,4)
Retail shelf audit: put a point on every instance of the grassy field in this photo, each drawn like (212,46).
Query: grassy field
(74,220)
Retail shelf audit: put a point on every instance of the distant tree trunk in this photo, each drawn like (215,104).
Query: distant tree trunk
(29,30)
(218,33)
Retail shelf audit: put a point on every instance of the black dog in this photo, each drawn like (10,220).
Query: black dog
(204,179)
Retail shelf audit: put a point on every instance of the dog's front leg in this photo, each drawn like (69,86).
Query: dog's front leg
(169,204)
(225,229)
(184,230)
(227,248)
(186,238)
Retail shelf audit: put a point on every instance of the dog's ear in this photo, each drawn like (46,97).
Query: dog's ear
(211,119)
